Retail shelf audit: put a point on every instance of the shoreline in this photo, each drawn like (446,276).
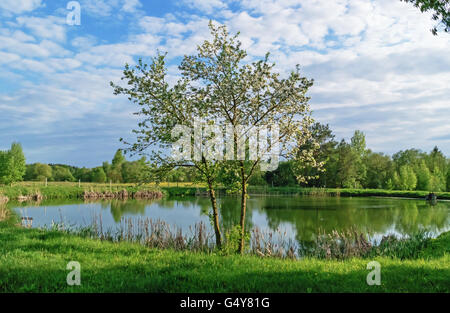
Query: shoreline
(160,270)
(301,191)
(123,191)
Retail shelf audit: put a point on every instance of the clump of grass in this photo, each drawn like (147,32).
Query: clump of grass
(4,214)
(273,244)
(337,245)
(403,248)
(148,232)
(350,243)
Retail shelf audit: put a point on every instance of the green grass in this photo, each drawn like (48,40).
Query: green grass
(34,260)
(266,190)
(66,191)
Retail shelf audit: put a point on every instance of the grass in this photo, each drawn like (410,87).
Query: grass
(73,190)
(66,190)
(344,192)
(33,260)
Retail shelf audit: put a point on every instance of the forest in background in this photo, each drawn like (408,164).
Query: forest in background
(347,165)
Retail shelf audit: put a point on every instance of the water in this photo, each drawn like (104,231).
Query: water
(301,218)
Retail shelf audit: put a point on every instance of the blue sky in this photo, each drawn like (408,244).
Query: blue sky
(376,66)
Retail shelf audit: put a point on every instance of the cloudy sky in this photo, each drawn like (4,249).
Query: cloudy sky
(376,66)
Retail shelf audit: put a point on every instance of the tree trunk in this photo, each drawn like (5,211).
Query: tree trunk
(243,209)
(212,195)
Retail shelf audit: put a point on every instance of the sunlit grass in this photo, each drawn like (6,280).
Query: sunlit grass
(35,261)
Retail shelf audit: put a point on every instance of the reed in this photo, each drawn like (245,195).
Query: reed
(4,213)
(403,248)
(338,245)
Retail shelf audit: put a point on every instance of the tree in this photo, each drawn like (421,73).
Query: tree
(60,173)
(438,180)
(439,8)
(118,159)
(325,154)
(252,96)
(448,178)
(378,168)
(436,159)
(407,178)
(282,176)
(135,172)
(98,175)
(115,173)
(12,164)
(347,166)
(423,177)
(216,84)
(6,164)
(358,144)
(163,108)
(83,174)
(18,162)
(42,171)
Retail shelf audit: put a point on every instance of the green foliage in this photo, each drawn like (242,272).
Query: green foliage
(354,166)
(136,171)
(438,180)
(423,177)
(6,164)
(347,167)
(12,165)
(18,162)
(406,179)
(378,171)
(60,173)
(440,10)
(406,248)
(282,176)
(98,175)
(34,261)
(232,240)
(40,172)
(118,159)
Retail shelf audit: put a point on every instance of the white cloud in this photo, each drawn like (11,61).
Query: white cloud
(16,7)
(50,27)
(105,8)
(131,6)
(206,6)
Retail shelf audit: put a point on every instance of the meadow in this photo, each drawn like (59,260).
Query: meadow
(55,190)
(35,261)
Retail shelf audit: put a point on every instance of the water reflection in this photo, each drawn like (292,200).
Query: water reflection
(301,217)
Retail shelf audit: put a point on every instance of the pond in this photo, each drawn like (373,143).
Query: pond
(299,218)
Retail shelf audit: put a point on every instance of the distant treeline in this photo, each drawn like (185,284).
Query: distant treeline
(346,165)
(352,165)
(119,171)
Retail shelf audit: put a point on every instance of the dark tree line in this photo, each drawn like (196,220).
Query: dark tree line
(352,165)
(119,170)
(347,165)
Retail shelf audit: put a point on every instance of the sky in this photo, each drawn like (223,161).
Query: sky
(375,64)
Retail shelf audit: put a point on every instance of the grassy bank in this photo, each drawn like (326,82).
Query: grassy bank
(266,190)
(35,261)
(61,190)
(67,191)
